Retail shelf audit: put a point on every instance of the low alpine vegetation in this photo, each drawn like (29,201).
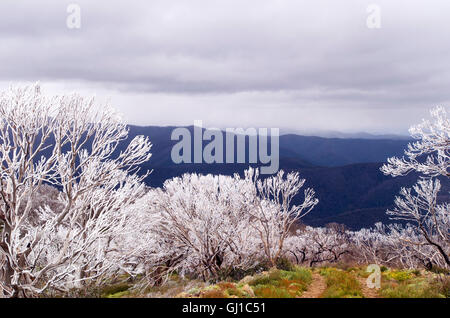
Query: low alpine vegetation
(77,219)
(270,284)
(412,284)
(340,284)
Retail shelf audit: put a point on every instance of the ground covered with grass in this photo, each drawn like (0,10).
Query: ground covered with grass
(414,284)
(293,282)
(340,284)
(270,284)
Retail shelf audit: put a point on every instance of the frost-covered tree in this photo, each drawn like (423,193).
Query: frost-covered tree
(275,213)
(68,142)
(375,246)
(202,224)
(404,239)
(394,245)
(419,206)
(208,225)
(429,155)
(316,245)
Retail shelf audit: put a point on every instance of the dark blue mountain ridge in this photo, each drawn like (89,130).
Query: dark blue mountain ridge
(344,173)
(313,151)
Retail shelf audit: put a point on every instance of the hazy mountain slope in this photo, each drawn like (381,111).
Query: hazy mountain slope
(312,151)
(337,151)
(344,172)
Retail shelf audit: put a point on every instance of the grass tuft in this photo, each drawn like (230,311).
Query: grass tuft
(340,284)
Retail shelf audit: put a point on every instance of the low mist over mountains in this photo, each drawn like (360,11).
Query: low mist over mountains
(338,134)
(305,150)
(344,172)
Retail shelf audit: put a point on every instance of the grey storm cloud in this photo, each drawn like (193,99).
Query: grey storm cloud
(287,59)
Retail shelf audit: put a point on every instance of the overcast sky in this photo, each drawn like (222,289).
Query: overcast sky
(303,65)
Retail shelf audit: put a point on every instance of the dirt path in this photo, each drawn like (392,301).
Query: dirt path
(316,288)
(367,292)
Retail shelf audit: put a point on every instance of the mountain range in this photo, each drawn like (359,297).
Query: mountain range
(344,172)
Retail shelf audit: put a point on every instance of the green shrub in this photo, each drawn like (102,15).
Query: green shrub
(281,283)
(325,271)
(441,285)
(415,290)
(406,285)
(267,278)
(340,284)
(234,292)
(444,288)
(270,291)
(213,293)
(119,294)
(399,275)
(115,289)
(284,264)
